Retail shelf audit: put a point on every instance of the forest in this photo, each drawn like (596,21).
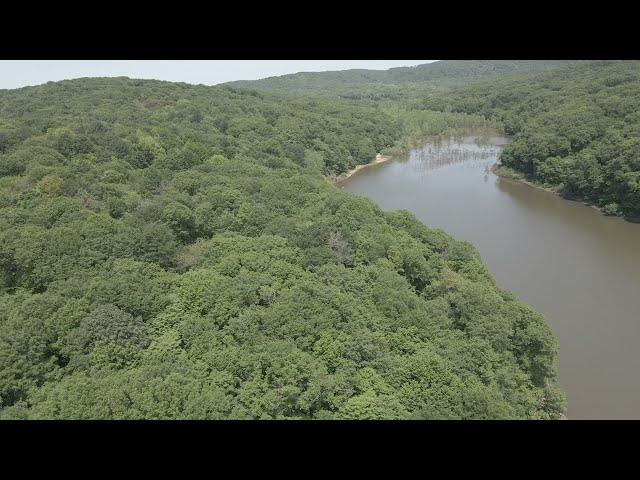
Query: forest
(171,251)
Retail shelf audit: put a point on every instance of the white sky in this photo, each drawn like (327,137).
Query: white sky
(20,73)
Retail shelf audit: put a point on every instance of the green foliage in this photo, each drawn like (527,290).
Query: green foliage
(174,251)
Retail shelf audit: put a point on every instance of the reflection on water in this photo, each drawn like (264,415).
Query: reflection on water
(576,266)
(448,152)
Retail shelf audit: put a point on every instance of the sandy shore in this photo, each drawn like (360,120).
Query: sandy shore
(379,159)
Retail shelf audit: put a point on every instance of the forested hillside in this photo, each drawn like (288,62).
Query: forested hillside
(175,251)
(448,72)
(577,129)
(397,83)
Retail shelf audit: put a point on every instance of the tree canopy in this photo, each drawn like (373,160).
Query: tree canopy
(175,251)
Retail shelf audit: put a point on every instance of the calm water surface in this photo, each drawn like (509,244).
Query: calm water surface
(574,265)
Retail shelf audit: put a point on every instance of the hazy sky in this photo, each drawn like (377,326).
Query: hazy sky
(20,73)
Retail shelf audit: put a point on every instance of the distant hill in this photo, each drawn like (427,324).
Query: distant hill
(448,73)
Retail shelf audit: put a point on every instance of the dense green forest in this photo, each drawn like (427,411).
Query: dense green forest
(576,129)
(175,251)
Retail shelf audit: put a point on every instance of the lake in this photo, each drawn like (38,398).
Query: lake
(576,266)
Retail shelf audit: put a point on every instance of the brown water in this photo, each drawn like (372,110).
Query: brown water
(571,263)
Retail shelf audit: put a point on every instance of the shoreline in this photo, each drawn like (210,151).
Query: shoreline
(496,170)
(340,181)
(349,173)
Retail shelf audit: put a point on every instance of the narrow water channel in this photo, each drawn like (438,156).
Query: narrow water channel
(571,263)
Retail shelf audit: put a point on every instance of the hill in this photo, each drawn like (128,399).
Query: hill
(354,84)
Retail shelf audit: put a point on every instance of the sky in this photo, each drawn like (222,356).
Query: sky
(20,73)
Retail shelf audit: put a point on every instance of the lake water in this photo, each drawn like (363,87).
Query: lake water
(578,267)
